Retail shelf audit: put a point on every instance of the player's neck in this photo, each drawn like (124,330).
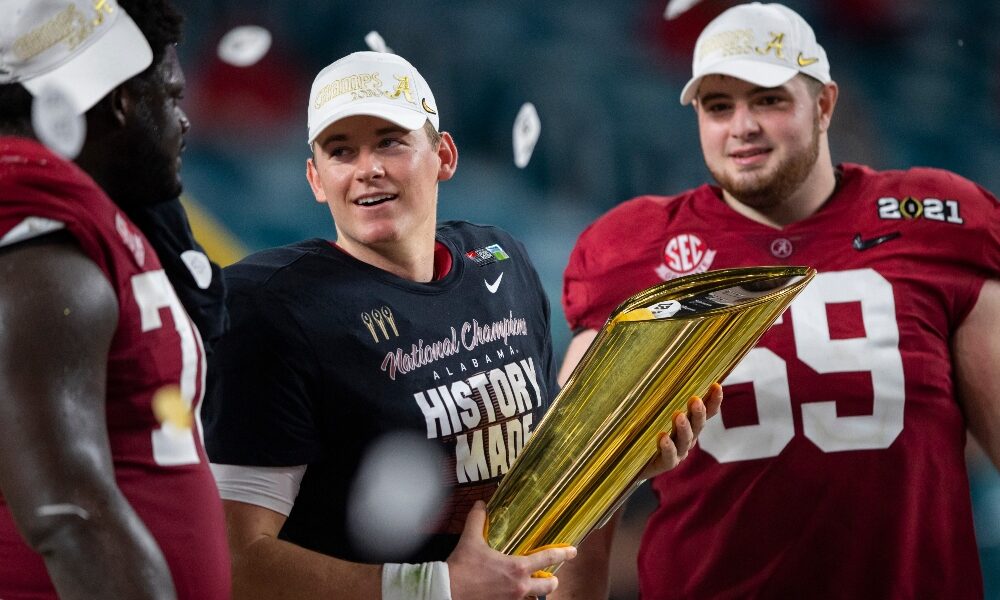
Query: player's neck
(804,202)
(412,260)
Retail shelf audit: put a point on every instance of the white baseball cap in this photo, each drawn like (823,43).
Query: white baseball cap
(86,48)
(765,44)
(377,84)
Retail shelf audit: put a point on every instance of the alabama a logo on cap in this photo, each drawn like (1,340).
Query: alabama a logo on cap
(684,254)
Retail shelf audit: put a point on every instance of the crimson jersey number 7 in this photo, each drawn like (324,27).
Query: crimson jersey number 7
(172,445)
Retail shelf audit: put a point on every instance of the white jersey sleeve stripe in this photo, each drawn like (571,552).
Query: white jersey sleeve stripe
(30,227)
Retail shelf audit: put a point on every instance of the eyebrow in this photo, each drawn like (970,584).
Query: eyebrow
(340,137)
(710,97)
(753,91)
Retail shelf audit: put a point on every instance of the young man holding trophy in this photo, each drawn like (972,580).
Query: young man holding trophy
(837,466)
(400,324)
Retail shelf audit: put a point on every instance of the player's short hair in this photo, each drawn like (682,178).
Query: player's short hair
(815,86)
(160,23)
(432,134)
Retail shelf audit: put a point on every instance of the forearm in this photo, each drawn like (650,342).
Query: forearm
(586,577)
(269,568)
(104,553)
(976,351)
(985,428)
(93,543)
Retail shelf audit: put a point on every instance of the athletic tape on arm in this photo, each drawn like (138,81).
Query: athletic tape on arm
(424,581)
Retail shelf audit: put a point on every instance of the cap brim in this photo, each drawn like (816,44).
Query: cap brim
(753,71)
(121,53)
(404,117)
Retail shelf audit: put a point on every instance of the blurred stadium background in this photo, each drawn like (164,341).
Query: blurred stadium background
(920,85)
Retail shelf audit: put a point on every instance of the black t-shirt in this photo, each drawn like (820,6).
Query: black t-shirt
(327,353)
(196,279)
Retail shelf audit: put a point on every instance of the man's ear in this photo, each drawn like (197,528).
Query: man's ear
(827,101)
(448,153)
(122,105)
(312,176)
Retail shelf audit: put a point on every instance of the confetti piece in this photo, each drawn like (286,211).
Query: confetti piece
(527,128)
(57,124)
(170,408)
(676,8)
(199,266)
(376,43)
(244,46)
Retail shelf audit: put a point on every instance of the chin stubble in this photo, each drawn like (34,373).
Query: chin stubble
(768,190)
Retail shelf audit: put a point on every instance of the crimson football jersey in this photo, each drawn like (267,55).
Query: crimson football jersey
(160,468)
(836,467)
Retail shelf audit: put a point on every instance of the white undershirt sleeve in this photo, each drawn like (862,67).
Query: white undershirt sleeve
(274,488)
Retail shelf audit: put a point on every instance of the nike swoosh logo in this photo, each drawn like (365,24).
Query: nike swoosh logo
(493,287)
(805,62)
(860,244)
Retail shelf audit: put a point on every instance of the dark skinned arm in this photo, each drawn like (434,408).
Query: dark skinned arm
(58,314)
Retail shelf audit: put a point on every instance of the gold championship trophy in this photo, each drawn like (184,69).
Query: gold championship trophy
(657,349)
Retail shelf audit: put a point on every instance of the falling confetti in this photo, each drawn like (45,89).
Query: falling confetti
(527,128)
(199,266)
(397,491)
(169,408)
(244,46)
(676,8)
(57,123)
(376,43)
